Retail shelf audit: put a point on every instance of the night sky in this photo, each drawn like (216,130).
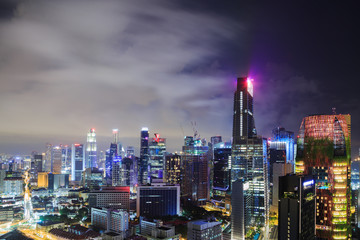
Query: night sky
(67,66)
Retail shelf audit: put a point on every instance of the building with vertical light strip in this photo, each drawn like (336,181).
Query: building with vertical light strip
(249,161)
(77,161)
(324,150)
(91,149)
(144,156)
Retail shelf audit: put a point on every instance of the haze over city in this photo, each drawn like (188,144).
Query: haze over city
(67,66)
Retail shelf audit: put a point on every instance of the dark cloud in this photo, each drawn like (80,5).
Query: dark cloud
(67,66)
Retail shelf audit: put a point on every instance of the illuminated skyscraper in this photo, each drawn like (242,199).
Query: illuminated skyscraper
(249,159)
(56,159)
(172,171)
(324,150)
(91,149)
(77,161)
(243,121)
(66,159)
(111,154)
(195,173)
(157,149)
(282,160)
(144,156)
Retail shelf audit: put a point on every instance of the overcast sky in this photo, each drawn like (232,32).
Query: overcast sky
(68,66)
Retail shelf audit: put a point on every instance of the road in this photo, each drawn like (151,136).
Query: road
(274,233)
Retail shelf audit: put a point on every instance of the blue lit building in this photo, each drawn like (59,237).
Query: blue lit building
(144,156)
(158,200)
(77,161)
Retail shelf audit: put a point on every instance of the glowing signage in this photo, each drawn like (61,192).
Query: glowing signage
(308,183)
(250,87)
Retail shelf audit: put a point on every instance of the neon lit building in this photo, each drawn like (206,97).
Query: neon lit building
(249,161)
(157,150)
(91,149)
(324,150)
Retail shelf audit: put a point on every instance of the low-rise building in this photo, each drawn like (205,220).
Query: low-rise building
(204,230)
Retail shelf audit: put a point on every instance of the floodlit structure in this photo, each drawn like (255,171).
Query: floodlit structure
(91,149)
(249,161)
(324,150)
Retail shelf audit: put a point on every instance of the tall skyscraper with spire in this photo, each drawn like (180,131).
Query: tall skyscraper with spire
(91,149)
(249,165)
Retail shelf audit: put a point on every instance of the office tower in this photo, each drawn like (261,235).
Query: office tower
(66,159)
(114,220)
(215,140)
(243,120)
(144,156)
(13,185)
(77,161)
(47,159)
(116,171)
(172,174)
(157,149)
(281,157)
(56,159)
(111,154)
(296,207)
(204,230)
(110,197)
(239,213)
(158,200)
(91,149)
(130,151)
(324,151)
(249,158)
(128,172)
(92,178)
(2,177)
(36,166)
(195,173)
(56,181)
(188,140)
(221,170)
(355,189)
(43,180)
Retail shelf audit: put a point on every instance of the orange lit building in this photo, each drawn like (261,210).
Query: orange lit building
(324,150)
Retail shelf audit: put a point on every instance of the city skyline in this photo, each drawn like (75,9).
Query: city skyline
(183,69)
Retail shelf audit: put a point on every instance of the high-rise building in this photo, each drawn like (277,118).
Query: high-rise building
(195,173)
(111,156)
(116,171)
(91,149)
(92,178)
(249,158)
(157,150)
(172,169)
(47,159)
(221,170)
(56,159)
(296,208)
(36,166)
(239,197)
(66,159)
(324,151)
(77,161)
(355,189)
(243,121)
(144,156)
(55,181)
(282,160)
(115,220)
(110,197)
(130,151)
(204,230)
(158,200)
